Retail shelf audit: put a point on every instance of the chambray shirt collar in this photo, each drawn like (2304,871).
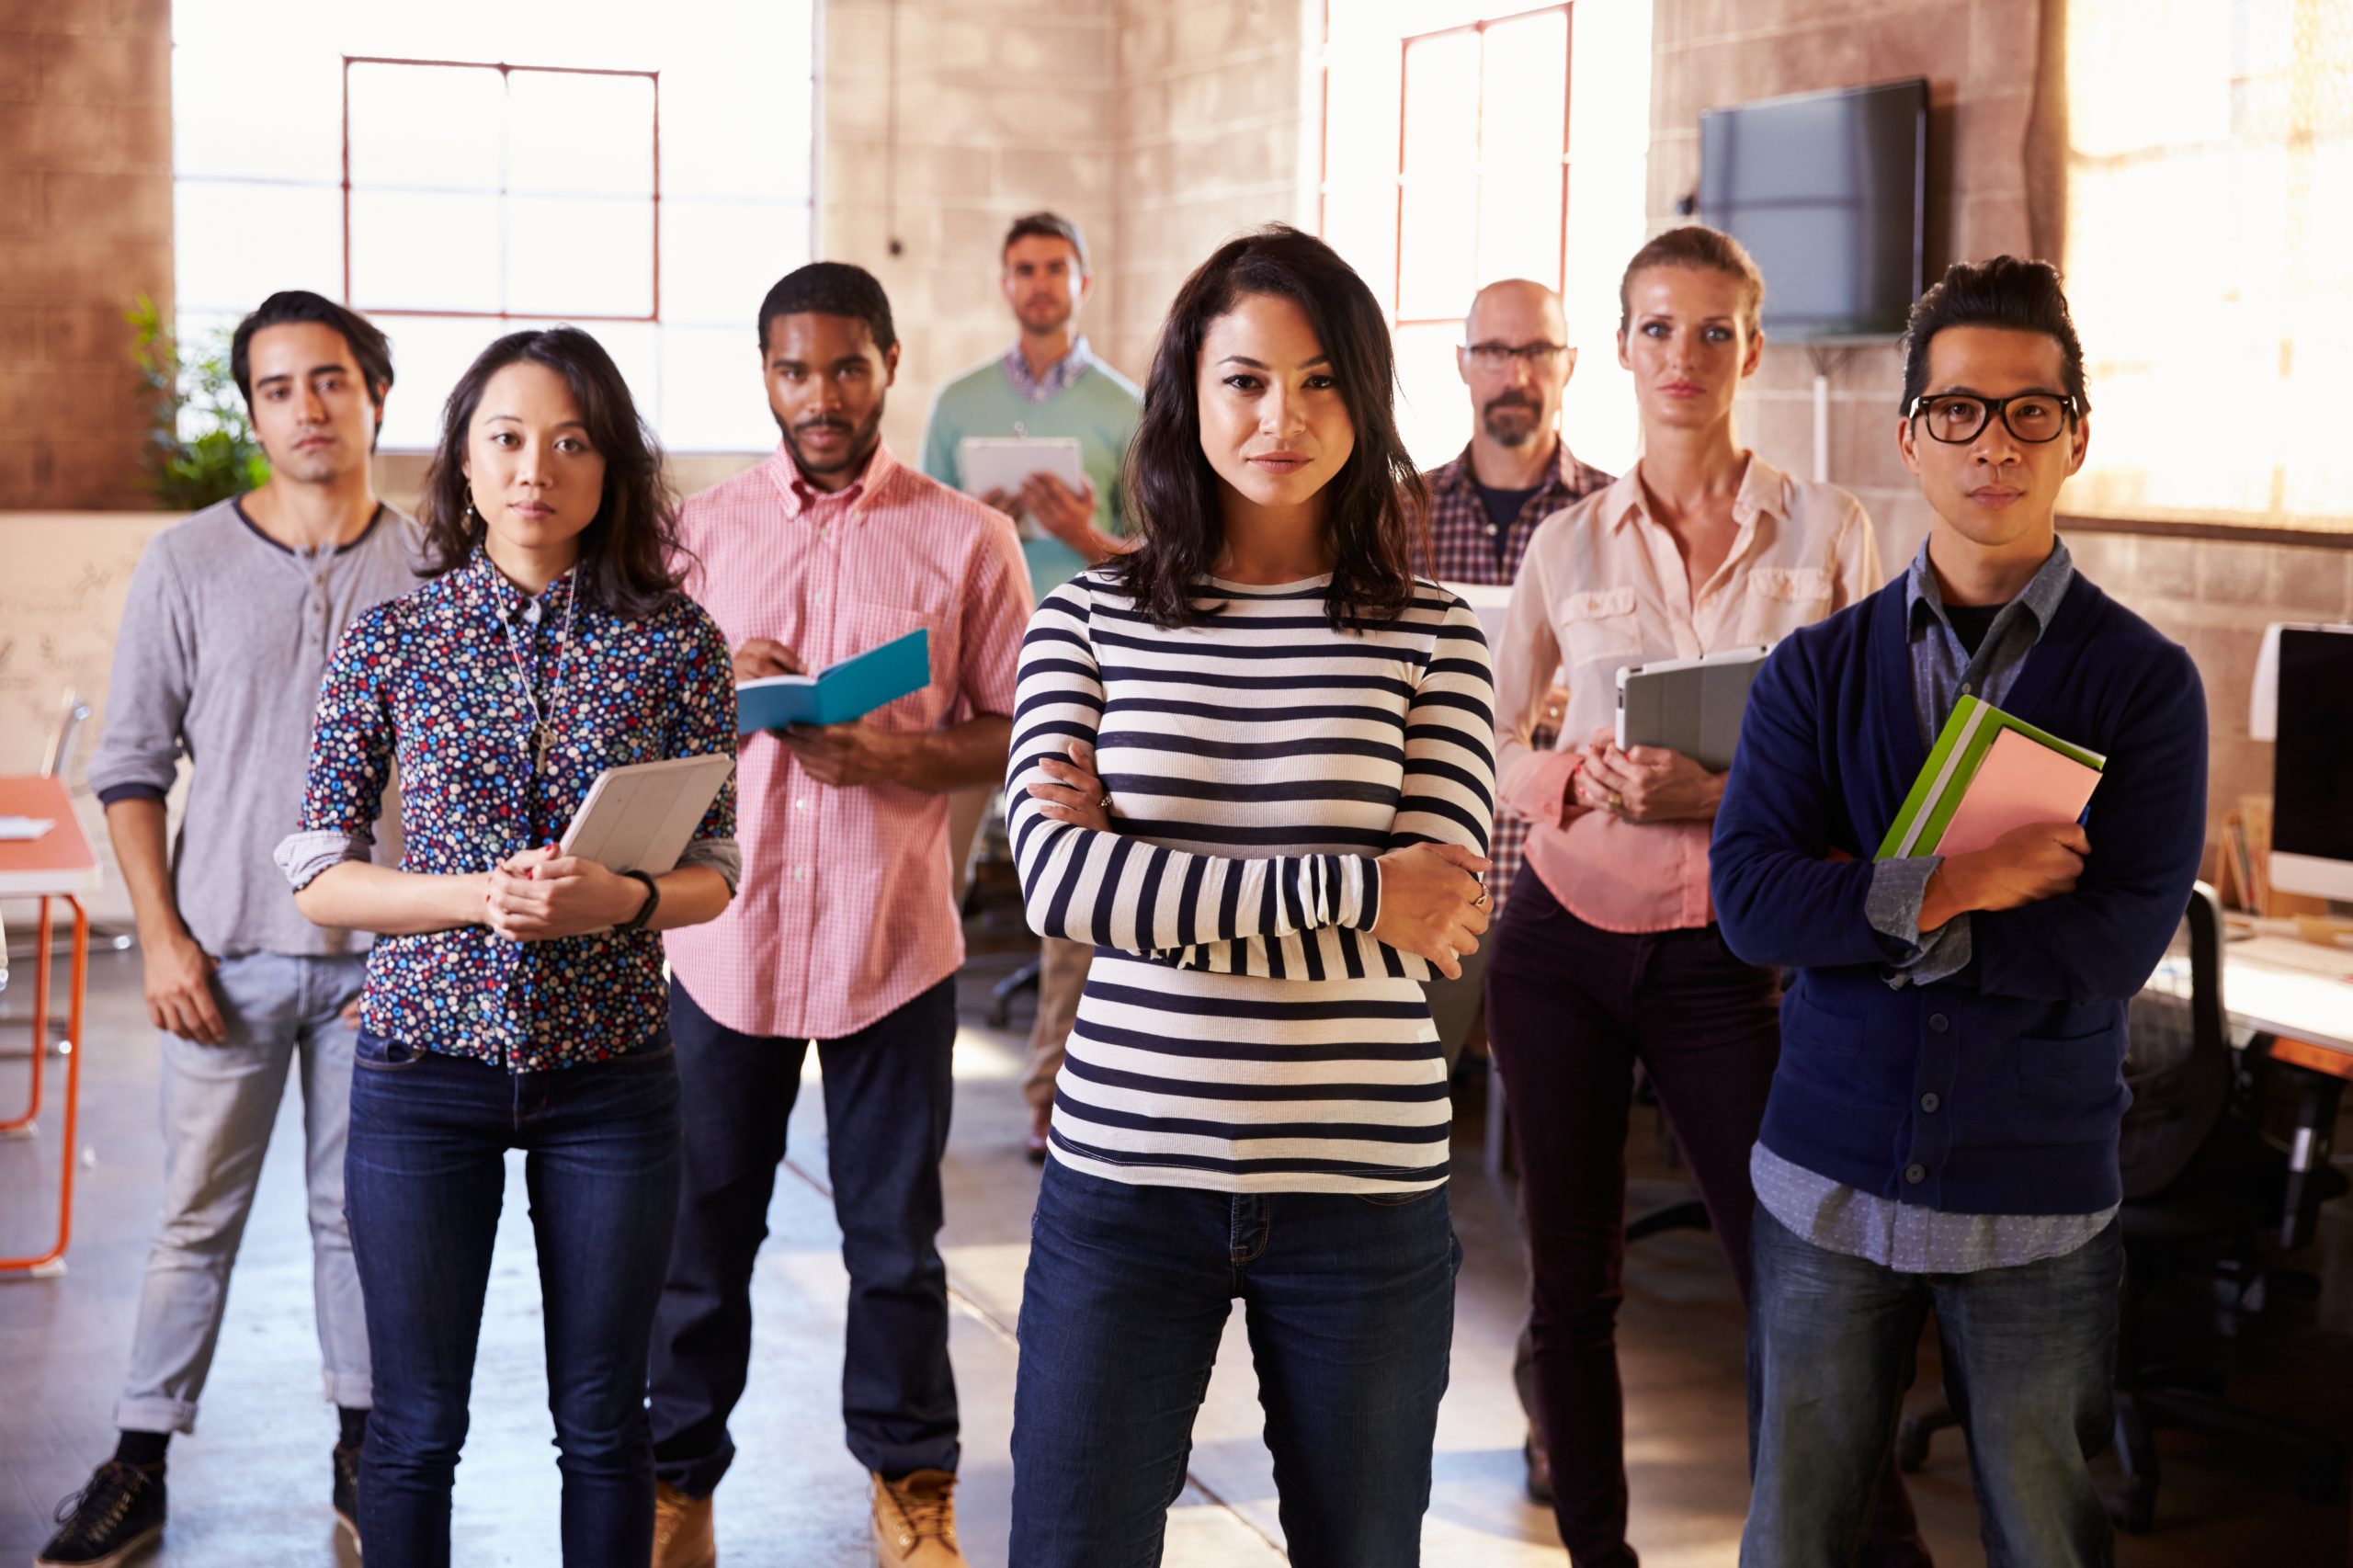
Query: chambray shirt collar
(801,498)
(2038,601)
(1059,377)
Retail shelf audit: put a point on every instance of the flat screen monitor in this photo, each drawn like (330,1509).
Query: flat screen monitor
(2312,780)
(1826,190)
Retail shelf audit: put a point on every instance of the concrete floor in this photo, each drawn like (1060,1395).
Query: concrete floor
(251,1487)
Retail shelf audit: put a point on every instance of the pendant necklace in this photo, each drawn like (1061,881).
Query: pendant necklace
(542,734)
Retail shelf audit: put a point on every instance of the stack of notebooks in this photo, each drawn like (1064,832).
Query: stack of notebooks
(1990,773)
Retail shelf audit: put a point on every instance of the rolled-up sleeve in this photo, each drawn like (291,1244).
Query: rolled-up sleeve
(351,755)
(1892,907)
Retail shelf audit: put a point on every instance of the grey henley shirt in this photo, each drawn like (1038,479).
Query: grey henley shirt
(225,637)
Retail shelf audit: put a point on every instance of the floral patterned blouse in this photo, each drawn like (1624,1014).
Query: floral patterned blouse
(435,681)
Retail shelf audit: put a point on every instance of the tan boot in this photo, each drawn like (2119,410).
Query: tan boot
(682,1537)
(915,1521)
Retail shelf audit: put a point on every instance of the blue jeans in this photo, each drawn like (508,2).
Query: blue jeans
(424,1183)
(1351,1308)
(2029,1356)
(888,1094)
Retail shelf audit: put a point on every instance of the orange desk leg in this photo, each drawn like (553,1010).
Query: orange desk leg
(53,1260)
(22,1126)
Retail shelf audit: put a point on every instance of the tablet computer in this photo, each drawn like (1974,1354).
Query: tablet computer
(640,817)
(1692,706)
(1005,462)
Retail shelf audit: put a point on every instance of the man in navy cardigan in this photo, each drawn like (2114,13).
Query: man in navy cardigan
(1943,1122)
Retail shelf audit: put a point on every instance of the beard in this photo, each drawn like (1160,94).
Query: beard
(1512,420)
(1043,316)
(853,453)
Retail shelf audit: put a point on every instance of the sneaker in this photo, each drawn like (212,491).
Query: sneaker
(682,1536)
(915,1521)
(347,1493)
(105,1523)
(1539,1481)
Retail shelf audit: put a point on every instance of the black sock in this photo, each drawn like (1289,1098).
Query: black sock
(355,1427)
(143,1449)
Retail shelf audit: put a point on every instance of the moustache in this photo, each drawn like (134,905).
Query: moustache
(807,425)
(1515,400)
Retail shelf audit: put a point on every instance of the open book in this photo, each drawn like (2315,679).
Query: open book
(1990,773)
(839,693)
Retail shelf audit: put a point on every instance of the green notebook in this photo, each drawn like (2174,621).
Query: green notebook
(1945,778)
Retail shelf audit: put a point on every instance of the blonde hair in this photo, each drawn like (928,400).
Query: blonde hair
(1696,246)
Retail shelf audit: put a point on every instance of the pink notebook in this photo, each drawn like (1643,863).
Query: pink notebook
(2019,783)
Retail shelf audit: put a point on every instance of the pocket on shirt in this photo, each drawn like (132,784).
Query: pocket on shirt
(1781,598)
(1599,627)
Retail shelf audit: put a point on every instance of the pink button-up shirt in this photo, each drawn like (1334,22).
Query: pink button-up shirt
(846,909)
(1603,586)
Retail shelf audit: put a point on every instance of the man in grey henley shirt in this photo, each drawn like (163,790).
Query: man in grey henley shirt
(231,618)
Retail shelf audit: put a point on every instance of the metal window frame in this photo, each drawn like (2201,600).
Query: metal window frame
(506,69)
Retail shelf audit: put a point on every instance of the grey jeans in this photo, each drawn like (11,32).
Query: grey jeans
(219,1105)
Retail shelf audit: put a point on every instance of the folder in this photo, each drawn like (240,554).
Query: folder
(839,693)
(1989,773)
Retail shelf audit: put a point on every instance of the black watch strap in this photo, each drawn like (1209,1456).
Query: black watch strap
(645,911)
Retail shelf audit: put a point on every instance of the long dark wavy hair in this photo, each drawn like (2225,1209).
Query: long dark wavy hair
(630,561)
(1374,506)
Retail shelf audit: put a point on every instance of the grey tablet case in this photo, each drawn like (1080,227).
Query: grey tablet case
(1692,706)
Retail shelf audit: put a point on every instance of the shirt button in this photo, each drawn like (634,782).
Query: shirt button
(1916,1174)
(802,804)
(820,595)
(1939,1022)
(1968,689)
(800,874)
(1929,1102)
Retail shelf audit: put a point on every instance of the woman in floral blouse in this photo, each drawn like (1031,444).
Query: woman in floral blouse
(517,999)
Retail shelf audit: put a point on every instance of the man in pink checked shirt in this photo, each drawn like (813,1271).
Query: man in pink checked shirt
(844,931)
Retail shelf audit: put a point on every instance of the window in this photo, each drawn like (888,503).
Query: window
(459,173)
(2210,257)
(1448,138)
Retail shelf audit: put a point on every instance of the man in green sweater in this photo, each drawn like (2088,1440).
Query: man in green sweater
(1048,383)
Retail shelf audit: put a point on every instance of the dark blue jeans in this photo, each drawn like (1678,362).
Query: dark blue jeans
(2028,1353)
(888,1093)
(1351,1308)
(425,1177)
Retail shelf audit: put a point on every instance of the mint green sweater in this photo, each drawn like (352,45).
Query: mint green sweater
(1098,410)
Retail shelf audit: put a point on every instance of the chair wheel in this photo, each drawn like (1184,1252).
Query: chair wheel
(1912,1446)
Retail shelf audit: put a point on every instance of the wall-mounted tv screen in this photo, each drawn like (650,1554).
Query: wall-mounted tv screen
(1825,189)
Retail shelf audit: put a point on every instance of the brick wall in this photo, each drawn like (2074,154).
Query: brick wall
(86,226)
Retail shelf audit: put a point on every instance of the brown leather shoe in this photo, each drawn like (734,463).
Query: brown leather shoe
(682,1537)
(915,1521)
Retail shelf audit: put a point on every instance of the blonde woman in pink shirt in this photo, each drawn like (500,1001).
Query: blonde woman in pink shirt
(1607,954)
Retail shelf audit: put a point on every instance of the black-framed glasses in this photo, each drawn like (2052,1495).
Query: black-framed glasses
(1493,356)
(2032,418)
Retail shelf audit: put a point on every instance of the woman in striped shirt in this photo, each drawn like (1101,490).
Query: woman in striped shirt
(1253,764)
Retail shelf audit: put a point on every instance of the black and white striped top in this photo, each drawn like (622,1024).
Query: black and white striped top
(1241,1028)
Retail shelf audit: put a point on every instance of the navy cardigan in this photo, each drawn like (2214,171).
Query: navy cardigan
(1999,1090)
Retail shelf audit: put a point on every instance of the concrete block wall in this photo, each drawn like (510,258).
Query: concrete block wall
(86,226)
(999,111)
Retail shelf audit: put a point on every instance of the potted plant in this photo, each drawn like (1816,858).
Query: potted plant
(200,446)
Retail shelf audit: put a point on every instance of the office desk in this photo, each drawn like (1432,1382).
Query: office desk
(58,865)
(2295,1000)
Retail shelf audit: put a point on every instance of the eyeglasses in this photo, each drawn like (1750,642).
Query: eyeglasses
(2032,418)
(1492,356)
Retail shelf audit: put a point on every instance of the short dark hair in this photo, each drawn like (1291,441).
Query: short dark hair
(631,561)
(1045,226)
(369,348)
(1700,248)
(830,289)
(1375,506)
(2011,291)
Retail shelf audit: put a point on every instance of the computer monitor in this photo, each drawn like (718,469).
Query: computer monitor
(2312,778)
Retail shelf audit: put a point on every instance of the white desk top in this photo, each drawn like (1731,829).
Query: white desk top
(2286,986)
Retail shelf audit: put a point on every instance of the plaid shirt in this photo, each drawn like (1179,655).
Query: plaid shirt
(1058,377)
(1463,550)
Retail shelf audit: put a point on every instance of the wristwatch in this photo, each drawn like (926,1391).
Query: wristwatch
(645,910)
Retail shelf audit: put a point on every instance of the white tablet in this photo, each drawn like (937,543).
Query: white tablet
(640,817)
(1005,462)
(1692,706)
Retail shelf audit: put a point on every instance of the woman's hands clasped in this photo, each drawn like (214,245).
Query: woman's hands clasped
(1644,784)
(540,896)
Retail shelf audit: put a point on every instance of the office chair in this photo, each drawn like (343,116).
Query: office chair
(2202,1185)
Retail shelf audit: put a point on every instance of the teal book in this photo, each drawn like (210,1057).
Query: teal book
(839,693)
(2026,775)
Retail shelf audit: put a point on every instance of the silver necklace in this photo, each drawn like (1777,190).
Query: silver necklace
(543,734)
